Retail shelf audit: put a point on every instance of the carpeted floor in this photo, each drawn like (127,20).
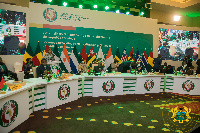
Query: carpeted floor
(36,119)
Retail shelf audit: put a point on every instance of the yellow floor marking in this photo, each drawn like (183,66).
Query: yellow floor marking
(127,124)
(154,121)
(151,127)
(114,122)
(79,119)
(58,118)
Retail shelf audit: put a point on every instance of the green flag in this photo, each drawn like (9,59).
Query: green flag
(117,56)
(4,87)
(76,54)
(57,58)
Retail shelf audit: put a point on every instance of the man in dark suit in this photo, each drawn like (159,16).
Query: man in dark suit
(43,67)
(99,68)
(165,68)
(198,67)
(6,72)
(184,67)
(28,68)
(157,63)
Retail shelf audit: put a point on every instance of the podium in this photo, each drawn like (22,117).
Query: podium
(54,65)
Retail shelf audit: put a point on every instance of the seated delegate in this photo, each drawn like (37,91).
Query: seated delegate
(28,68)
(43,67)
(6,72)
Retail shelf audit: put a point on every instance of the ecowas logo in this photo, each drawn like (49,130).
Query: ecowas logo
(108,86)
(148,85)
(8,113)
(188,86)
(63,92)
(50,14)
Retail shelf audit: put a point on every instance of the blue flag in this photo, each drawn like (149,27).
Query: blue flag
(137,55)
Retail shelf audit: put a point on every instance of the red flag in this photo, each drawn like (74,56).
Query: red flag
(151,54)
(2,83)
(47,48)
(145,54)
(84,54)
(131,56)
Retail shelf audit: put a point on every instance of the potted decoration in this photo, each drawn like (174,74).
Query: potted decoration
(90,71)
(175,72)
(133,71)
(48,75)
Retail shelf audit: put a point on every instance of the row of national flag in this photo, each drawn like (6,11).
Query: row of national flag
(69,63)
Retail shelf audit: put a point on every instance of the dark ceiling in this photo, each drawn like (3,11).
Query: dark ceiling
(133,6)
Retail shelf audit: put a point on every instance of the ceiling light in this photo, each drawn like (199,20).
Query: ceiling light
(107,7)
(177,18)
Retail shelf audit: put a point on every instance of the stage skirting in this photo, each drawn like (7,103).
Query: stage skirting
(38,94)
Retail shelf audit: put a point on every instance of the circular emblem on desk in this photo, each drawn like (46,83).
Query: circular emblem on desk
(8,113)
(188,86)
(108,86)
(148,85)
(50,14)
(63,92)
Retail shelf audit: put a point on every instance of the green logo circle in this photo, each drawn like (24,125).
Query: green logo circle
(50,14)
(8,113)
(148,85)
(63,92)
(108,86)
(188,86)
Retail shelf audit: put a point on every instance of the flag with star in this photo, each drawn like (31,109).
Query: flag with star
(84,54)
(131,56)
(65,59)
(117,56)
(124,56)
(91,57)
(150,61)
(61,66)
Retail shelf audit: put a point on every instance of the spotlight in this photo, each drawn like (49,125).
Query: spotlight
(177,18)
(50,0)
(107,7)
(65,4)
(95,6)
(117,11)
(142,13)
(127,13)
(80,6)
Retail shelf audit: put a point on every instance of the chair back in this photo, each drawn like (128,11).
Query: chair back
(18,66)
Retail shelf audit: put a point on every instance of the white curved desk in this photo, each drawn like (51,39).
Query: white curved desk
(39,94)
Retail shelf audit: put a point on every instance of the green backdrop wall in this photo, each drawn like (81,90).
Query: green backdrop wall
(91,37)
